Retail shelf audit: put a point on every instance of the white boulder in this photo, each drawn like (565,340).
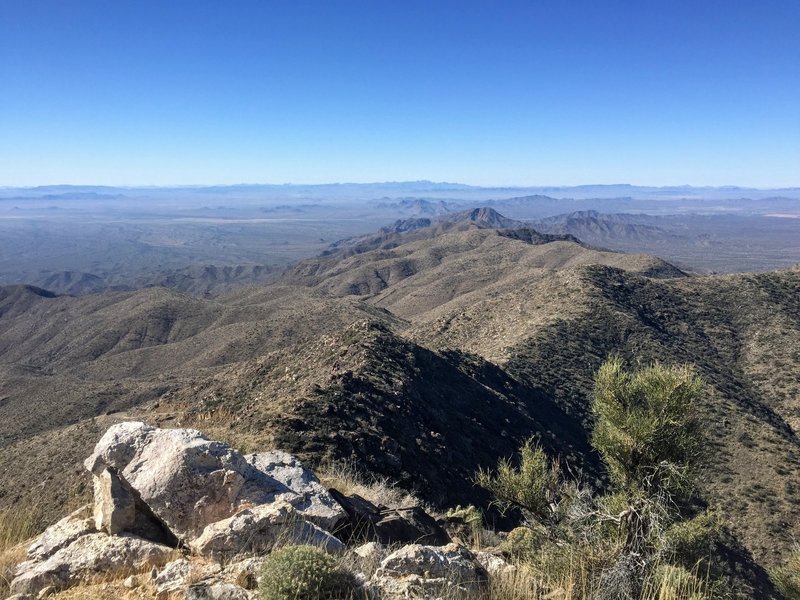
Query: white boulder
(62,534)
(90,554)
(258,529)
(189,481)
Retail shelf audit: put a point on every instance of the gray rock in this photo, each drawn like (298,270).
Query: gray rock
(367,522)
(216,590)
(256,530)
(316,504)
(62,534)
(428,572)
(176,575)
(114,503)
(90,554)
(189,481)
(370,551)
(173,577)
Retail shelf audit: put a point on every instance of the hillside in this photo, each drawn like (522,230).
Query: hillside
(421,358)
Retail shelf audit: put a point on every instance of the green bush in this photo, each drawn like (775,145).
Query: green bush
(648,429)
(303,573)
(469,517)
(532,485)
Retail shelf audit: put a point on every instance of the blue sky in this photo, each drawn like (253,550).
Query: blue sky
(704,92)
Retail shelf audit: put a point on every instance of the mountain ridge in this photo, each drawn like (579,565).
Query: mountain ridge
(353,356)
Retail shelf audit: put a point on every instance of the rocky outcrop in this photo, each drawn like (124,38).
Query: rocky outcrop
(256,530)
(315,503)
(158,489)
(160,493)
(89,554)
(428,572)
(189,481)
(62,534)
(368,522)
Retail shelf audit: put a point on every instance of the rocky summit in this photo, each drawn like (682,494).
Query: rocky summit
(194,517)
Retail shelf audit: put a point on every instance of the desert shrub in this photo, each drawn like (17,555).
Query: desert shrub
(648,429)
(691,541)
(523,542)
(787,576)
(634,541)
(532,485)
(467,519)
(303,573)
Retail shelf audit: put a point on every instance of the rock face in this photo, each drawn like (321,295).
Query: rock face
(62,534)
(256,530)
(90,554)
(428,572)
(189,481)
(315,504)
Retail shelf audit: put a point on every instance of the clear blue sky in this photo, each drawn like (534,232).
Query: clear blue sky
(704,92)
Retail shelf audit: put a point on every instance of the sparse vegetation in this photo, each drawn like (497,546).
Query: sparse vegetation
(787,576)
(345,477)
(636,541)
(489,340)
(532,485)
(16,527)
(303,573)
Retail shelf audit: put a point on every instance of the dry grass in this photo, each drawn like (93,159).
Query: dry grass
(113,589)
(16,529)
(347,479)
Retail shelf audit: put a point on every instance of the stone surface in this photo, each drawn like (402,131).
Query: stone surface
(216,590)
(428,572)
(256,530)
(316,504)
(62,534)
(189,481)
(370,551)
(114,503)
(90,554)
(176,575)
(173,577)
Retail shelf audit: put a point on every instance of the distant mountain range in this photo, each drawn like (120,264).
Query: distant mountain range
(379,189)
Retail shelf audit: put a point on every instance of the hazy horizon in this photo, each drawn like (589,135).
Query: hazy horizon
(405,182)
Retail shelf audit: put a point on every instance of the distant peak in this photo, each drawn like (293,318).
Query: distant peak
(485,217)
